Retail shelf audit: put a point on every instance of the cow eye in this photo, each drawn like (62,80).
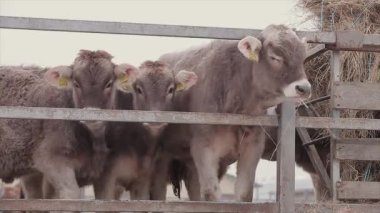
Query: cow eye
(139,90)
(274,59)
(109,84)
(171,90)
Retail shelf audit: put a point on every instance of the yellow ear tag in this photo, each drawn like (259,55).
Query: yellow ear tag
(253,56)
(123,78)
(123,81)
(180,87)
(63,81)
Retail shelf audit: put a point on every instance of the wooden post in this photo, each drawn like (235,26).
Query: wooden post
(335,166)
(286,158)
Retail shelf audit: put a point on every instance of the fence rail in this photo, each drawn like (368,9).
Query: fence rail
(370,42)
(140,206)
(181,117)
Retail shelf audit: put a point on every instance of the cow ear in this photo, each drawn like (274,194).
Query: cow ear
(59,77)
(125,74)
(185,80)
(250,47)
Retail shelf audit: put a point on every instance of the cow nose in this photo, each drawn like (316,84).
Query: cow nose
(155,128)
(304,90)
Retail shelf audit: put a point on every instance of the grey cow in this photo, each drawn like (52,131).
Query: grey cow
(133,146)
(246,76)
(66,153)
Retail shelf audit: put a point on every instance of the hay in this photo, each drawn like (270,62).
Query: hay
(336,15)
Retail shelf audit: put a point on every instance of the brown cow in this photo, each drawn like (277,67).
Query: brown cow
(248,77)
(133,146)
(66,152)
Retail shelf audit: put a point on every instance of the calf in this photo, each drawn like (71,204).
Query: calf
(134,145)
(245,76)
(66,153)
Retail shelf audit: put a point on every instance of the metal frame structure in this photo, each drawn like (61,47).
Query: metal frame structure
(352,41)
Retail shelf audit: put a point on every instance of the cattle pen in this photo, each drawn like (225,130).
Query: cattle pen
(343,96)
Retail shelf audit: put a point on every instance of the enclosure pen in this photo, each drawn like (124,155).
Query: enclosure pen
(287,122)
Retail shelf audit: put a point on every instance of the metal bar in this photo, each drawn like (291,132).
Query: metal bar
(315,51)
(134,116)
(370,41)
(335,114)
(27,23)
(182,117)
(317,100)
(286,157)
(135,206)
(316,140)
(123,28)
(98,205)
(335,208)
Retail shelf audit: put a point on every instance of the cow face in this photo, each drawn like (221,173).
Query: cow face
(155,87)
(279,55)
(93,80)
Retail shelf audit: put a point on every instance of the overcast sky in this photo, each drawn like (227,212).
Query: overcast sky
(60,48)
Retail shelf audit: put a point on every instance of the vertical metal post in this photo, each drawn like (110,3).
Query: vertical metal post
(335,165)
(286,158)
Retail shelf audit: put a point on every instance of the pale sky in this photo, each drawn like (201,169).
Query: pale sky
(60,48)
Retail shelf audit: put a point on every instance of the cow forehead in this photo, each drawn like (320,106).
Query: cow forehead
(95,70)
(282,36)
(156,74)
(93,63)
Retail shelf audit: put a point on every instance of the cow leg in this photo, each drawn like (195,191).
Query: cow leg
(105,187)
(60,175)
(32,186)
(192,182)
(48,190)
(159,180)
(64,183)
(207,163)
(251,149)
(140,190)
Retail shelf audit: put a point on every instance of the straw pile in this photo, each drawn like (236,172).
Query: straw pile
(336,15)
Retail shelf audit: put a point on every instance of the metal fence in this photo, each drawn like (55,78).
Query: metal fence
(352,41)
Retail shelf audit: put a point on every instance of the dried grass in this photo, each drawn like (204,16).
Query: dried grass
(337,15)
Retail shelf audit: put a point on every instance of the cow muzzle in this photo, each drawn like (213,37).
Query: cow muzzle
(300,89)
(155,128)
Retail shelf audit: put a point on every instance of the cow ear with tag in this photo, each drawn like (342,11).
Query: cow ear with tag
(126,74)
(185,80)
(250,47)
(59,77)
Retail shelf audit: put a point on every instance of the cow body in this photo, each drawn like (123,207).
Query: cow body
(32,146)
(245,77)
(67,154)
(134,146)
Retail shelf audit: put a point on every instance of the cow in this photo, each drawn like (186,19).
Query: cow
(134,146)
(65,153)
(243,77)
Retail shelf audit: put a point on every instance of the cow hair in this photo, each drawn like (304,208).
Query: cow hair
(177,172)
(154,67)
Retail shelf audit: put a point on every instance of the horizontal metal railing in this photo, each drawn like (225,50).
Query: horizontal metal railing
(371,41)
(181,117)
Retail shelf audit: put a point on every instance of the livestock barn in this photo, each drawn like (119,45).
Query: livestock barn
(144,106)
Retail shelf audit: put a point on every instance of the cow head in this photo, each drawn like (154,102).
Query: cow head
(155,86)
(93,80)
(278,55)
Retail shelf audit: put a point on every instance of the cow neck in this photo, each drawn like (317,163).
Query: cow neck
(261,95)
(98,133)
